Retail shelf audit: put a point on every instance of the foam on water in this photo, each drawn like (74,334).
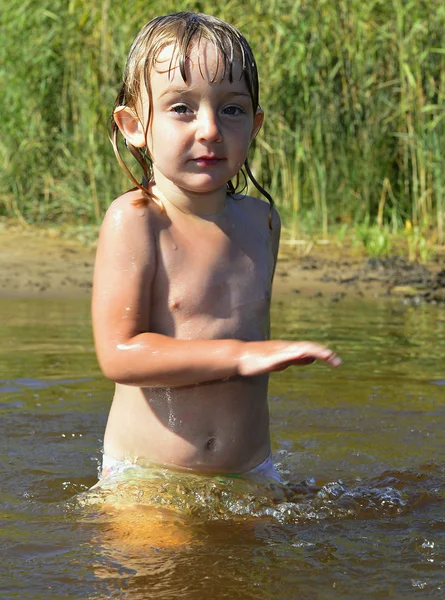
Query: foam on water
(390,494)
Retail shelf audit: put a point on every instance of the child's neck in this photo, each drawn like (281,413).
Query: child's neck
(204,205)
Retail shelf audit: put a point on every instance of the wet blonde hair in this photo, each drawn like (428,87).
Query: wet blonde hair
(184,30)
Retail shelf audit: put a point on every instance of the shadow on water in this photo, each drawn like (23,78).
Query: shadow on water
(362,515)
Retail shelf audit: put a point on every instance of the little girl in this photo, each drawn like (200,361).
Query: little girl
(185,263)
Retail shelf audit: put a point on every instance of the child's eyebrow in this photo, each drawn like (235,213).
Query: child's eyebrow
(174,92)
(184,91)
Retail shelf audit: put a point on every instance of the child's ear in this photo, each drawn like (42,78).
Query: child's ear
(257,122)
(130,126)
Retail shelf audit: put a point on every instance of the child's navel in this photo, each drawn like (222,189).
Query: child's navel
(211,444)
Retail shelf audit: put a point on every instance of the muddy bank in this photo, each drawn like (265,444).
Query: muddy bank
(33,264)
(42,264)
(339,273)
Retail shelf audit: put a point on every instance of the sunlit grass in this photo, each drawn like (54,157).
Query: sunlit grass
(354,96)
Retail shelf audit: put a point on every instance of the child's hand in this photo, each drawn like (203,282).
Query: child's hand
(263,357)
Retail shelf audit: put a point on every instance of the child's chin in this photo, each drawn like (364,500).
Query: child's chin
(206,186)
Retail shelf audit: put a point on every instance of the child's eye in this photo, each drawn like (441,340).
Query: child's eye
(180,109)
(233,110)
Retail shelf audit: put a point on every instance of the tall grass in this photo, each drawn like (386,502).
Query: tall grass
(353,91)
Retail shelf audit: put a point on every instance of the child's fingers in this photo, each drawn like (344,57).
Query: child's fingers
(334,360)
(298,362)
(263,357)
(308,352)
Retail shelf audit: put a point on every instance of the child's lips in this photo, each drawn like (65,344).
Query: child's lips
(208,160)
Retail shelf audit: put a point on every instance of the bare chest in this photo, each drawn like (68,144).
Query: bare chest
(213,284)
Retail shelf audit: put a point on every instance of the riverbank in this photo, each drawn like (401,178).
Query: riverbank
(45,263)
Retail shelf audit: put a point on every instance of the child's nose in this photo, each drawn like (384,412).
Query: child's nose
(208,127)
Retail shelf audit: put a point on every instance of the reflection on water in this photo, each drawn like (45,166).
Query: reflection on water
(361,448)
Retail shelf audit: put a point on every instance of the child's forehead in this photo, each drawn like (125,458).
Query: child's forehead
(202,57)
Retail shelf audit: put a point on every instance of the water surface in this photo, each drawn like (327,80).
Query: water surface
(362,448)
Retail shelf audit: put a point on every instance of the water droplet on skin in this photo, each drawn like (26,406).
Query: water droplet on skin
(128,346)
(171,415)
(117,218)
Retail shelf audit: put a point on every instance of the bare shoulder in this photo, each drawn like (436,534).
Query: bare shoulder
(130,219)
(258,211)
(133,206)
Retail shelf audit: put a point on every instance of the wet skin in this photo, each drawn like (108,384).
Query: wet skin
(182,286)
(212,282)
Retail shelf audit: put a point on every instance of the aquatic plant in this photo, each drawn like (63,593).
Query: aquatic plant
(376,240)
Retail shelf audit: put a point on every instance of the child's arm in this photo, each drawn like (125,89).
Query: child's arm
(129,353)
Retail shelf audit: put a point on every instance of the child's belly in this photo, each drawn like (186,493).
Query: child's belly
(218,427)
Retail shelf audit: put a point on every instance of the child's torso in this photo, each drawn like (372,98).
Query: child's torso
(212,281)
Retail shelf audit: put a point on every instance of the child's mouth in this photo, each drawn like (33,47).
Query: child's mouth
(207,161)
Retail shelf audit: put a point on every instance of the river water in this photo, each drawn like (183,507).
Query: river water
(362,448)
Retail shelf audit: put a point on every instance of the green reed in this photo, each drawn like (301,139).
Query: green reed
(354,96)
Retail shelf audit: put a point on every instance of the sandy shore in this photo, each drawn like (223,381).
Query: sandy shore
(44,264)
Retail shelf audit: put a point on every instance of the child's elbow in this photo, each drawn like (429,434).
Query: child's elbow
(116,376)
(114,369)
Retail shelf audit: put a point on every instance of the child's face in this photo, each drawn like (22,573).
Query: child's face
(201,130)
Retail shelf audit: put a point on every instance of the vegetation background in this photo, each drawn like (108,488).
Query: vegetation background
(353,91)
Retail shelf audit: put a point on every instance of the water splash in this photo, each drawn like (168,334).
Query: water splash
(390,494)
